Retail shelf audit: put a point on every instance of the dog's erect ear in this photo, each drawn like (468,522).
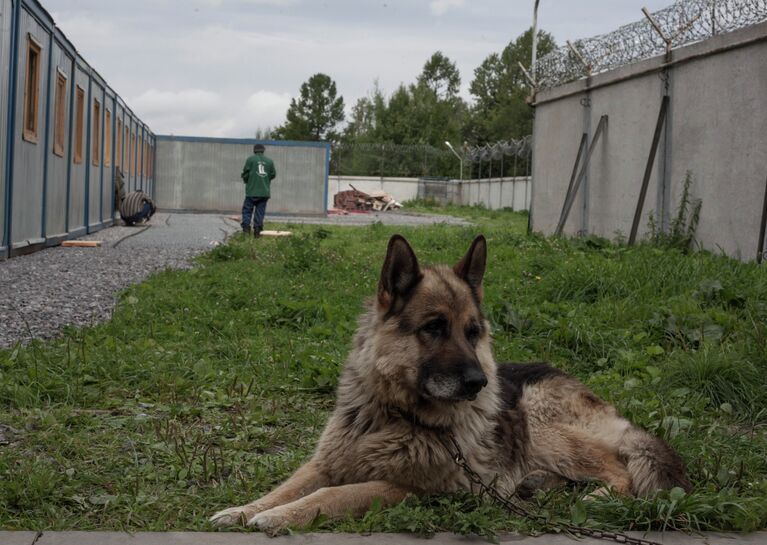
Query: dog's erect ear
(400,273)
(471,268)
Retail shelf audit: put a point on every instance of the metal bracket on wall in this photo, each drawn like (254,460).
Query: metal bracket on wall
(570,198)
(761,250)
(648,169)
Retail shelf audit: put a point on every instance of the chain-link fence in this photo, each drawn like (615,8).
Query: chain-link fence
(507,158)
(684,22)
(392,161)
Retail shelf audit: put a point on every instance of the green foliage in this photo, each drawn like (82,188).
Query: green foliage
(210,386)
(316,113)
(499,88)
(681,233)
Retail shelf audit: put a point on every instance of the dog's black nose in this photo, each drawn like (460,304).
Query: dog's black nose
(474,380)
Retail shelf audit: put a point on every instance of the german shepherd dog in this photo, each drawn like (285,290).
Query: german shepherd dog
(421,371)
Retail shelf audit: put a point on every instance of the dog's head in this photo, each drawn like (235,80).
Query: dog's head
(433,323)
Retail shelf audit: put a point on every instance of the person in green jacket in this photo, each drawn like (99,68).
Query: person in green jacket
(257,175)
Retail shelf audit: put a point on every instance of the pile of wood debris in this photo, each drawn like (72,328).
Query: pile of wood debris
(355,200)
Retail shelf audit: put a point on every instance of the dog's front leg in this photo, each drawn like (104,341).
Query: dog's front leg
(306,480)
(333,502)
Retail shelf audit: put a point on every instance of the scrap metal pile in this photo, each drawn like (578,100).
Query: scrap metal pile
(355,200)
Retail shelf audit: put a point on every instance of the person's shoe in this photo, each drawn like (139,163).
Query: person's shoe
(256,233)
(246,230)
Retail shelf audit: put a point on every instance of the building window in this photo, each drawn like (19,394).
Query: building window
(126,150)
(133,152)
(119,146)
(142,155)
(79,125)
(59,115)
(108,139)
(32,91)
(96,133)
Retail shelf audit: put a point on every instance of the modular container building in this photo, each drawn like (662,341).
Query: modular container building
(64,132)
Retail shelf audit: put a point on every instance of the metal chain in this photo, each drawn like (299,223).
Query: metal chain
(520,511)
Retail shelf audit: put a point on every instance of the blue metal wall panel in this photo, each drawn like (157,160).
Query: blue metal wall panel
(29,156)
(56,186)
(42,194)
(6,20)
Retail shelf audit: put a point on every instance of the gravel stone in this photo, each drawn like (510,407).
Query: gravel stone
(43,292)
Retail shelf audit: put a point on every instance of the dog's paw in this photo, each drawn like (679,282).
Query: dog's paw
(272,522)
(599,493)
(234,516)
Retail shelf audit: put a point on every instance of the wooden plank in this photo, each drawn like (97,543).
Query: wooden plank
(276,233)
(81,243)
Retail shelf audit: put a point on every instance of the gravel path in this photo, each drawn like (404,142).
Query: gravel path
(43,292)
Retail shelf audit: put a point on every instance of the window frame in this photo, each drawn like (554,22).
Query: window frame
(96,134)
(31,115)
(60,113)
(119,144)
(79,148)
(107,137)
(133,153)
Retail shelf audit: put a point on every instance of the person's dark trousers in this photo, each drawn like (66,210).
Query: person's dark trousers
(251,205)
(144,213)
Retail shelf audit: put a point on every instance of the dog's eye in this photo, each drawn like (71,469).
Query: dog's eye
(435,328)
(472,333)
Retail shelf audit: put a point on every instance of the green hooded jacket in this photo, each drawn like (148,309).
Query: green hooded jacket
(258,174)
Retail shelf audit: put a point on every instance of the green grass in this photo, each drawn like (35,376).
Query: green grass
(210,386)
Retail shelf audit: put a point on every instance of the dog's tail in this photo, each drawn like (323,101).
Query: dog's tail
(652,463)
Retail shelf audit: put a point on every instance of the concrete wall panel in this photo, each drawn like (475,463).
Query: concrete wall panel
(204,174)
(720,135)
(715,129)
(556,137)
(615,179)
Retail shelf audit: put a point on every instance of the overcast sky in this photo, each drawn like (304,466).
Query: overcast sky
(228,67)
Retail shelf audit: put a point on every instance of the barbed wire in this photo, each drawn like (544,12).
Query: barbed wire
(682,23)
(498,150)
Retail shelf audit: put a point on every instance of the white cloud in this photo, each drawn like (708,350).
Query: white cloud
(200,112)
(440,7)
(267,109)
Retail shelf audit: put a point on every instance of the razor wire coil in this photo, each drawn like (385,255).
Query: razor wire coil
(682,23)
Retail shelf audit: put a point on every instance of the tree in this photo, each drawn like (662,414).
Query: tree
(500,90)
(315,114)
(263,134)
(441,75)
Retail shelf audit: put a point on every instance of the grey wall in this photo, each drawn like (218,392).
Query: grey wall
(492,193)
(716,128)
(204,174)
